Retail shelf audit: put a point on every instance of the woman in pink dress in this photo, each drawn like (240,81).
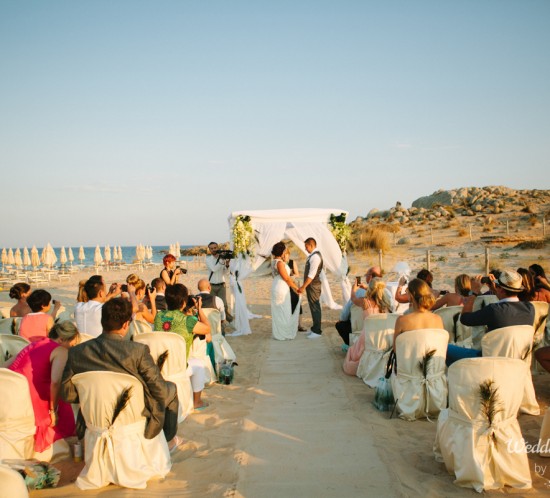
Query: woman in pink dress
(42,363)
(36,325)
(375,301)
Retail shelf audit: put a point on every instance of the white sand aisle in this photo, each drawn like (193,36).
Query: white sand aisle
(302,438)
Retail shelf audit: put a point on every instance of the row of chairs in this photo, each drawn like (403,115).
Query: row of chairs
(473,459)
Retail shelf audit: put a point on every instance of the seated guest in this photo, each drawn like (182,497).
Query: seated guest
(81,296)
(542,287)
(528,282)
(375,301)
(463,289)
(160,300)
(36,325)
(420,315)
(424,275)
(210,301)
(88,314)
(20,291)
(42,363)
(110,352)
(175,320)
(343,326)
(508,311)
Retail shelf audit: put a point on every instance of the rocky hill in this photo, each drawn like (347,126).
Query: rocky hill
(466,201)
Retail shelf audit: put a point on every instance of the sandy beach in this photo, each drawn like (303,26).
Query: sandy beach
(293,424)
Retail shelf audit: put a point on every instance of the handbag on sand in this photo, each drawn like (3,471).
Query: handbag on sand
(383,393)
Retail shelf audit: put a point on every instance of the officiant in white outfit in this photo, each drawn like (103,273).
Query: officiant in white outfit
(284,316)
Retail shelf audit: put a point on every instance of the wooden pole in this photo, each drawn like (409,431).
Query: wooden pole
(380,260)
(471,233)
(428,260)
(432,235)
(486,261)
(507,228)
(543,226)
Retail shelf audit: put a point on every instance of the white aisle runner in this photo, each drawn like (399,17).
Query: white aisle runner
(301,438)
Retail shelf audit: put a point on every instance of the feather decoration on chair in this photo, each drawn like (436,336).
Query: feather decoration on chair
(121,403)
(162,359)
(490,401)
(425,362)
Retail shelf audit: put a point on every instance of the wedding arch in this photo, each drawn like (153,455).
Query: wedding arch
(253,234)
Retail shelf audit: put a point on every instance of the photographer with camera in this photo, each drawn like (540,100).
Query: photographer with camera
(170,273)
(217,263)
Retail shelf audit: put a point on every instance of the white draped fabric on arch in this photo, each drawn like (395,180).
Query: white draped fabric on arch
(272,226)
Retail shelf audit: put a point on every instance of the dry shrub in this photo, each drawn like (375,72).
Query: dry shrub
(528,209)
(532,244)
(390,227)
(488,229)
(372,238)
(462,232)
(533,220)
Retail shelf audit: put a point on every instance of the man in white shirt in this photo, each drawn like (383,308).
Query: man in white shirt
(218,268)
(312,286)
(88,315)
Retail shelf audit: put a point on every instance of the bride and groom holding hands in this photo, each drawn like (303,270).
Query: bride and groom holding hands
(285,294)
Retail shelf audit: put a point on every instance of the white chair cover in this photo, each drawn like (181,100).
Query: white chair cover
(6,325)
(214,319)
(13,484)
(416,396)
(541,319)
(16,416)
(480,455)
(5,311)
(450,316)
(139,327)
(174,368)
(198,352)
(10,347)
(378,330)
(85,337)
(544,438)
(117,453)
(515,342)
(356,318)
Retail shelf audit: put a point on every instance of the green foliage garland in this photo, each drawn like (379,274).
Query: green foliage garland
(243,236)
(340,230)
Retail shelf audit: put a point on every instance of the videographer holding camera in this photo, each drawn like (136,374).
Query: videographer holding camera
(170,273)
(217,263)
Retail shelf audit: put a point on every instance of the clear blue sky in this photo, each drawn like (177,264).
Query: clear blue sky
(150,121)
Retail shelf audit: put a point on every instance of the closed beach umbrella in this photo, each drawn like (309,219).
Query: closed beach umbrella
(149,253)
(11,259)
(48,256)
(107,254)
(98,259)
(35,259)
(81,255)
(4,257)
(18,260)
(26,257)
(63,256)
(172,250)
(140,253)
(70,256)
(178,250)
(120,258)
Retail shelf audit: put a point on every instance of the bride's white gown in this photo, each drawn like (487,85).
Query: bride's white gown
(285,323)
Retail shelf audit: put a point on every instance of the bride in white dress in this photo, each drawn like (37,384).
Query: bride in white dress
(284,320)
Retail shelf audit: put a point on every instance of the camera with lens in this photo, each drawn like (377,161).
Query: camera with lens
(124,288)
(182,270)
(225,254)
(486,280)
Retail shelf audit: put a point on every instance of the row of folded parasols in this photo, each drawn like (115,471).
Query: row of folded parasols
(48,258)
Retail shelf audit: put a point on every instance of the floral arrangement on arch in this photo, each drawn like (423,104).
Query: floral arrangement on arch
(340,230)
(243,236)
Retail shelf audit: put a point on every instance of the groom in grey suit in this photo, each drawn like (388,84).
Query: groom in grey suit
(312,286)
(111,352)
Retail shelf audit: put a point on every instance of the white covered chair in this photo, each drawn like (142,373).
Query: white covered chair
(117,452)
(10,347)
(450,316)
(420,396)
(7,326)
(139,327)
(16,416)
(222,349)
(483,455)
(378,331)
(541,320)
(198,352)
(175,366)
(357,322)
(13,484)
(515,342)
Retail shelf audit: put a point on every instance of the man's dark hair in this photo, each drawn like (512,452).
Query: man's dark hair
(309,240)
(157,283)
(425,275)
(176,295)
(93,285)
(38,299)
(115,313)
(210,243)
